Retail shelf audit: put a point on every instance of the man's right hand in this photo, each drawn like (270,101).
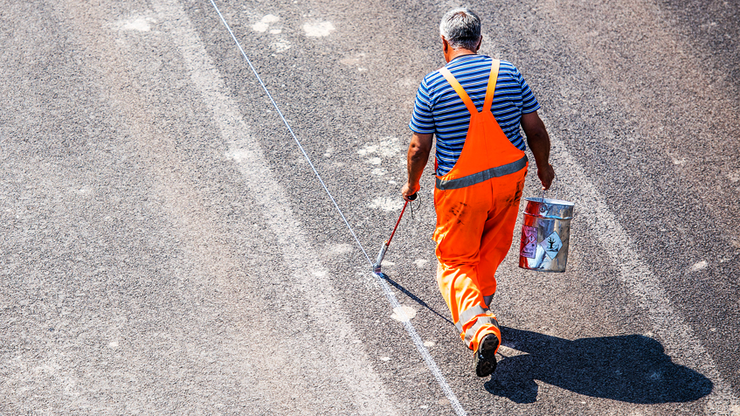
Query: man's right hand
(409,189)
(419,148)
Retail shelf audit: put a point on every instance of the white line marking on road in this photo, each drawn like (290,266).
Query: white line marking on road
(431,364)
(676,336)
(404,313)
(352,365)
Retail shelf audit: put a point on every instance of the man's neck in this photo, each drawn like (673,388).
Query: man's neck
(455,53)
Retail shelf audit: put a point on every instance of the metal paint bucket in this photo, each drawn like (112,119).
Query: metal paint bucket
(545,235)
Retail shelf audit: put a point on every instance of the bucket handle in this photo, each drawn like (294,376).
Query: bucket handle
(557,194)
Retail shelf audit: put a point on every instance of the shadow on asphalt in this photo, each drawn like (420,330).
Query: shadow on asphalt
(630,368)
(414,297)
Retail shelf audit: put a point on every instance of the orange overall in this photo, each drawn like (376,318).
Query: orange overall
(477,203)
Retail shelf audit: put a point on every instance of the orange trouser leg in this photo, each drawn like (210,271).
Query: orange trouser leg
(473,234)
(498,230)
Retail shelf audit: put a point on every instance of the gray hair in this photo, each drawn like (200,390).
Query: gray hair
(461,28)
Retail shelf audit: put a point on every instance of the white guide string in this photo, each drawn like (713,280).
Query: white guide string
(429,361)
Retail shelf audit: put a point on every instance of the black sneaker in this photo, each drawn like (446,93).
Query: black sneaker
(485,357)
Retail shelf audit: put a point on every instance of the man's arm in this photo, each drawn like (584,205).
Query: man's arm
(539,143)
(419,148)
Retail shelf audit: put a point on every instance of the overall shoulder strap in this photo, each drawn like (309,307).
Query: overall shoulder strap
(491,84)
(459,90)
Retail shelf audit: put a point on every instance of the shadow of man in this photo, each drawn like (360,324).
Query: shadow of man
(630,368)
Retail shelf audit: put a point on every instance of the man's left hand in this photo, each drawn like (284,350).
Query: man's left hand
(546,176)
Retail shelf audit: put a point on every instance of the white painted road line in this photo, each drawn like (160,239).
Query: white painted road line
(395,305)
(428,360)
(353,366)
(676,336)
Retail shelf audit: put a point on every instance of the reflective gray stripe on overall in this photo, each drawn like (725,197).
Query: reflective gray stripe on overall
(469,314)
(485,175)
(482,320)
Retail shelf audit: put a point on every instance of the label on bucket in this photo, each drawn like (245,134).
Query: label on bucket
(529,241)
(552,244)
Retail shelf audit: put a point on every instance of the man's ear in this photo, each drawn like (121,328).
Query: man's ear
(480,41)
(445,45)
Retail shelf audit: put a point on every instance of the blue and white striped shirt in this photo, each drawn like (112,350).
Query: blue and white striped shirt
(439,110)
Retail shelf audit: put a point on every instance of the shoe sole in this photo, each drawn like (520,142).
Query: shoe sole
(486,356)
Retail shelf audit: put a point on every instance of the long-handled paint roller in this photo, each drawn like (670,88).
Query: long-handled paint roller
(376,266)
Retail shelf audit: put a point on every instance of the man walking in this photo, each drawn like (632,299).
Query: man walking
(475,106)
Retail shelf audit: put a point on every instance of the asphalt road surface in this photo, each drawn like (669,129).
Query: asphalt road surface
(167,248)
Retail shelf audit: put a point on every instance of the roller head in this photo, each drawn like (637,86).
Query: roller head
(381,275)
(376,266)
